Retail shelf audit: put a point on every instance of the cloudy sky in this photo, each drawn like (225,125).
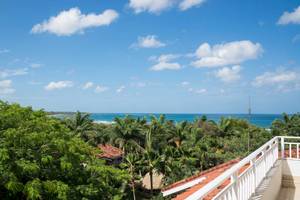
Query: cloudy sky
(171,56)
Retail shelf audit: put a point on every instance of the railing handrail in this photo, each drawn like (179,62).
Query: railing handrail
(234,169)
(289,137)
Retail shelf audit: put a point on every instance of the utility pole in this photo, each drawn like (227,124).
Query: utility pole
(249,119)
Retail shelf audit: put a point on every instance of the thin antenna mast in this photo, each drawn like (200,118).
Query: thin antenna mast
(249,119)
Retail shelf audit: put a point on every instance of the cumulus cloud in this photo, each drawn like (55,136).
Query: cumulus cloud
(120,89)
(165,66)
(167,57)
(88,85)
(230,53)
(13,72)
(197,91)
(4,51)
(284,80)
(149,41)
(35,83)
(35,65)
(164,62)
(6,87)
(296,38)
(59,85)
(152,6)
(157,6)
(228,74)
(290,17)
(186,4)
(69,22)
(200,91)
(100,89)
(138,84)
(184,83)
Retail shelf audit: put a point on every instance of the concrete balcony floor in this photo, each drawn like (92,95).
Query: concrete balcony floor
(289,193)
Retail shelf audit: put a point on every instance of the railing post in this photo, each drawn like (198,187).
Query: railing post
(234,180)
(264,157)
(282,147)
(253,164)
(276,149)
(297,151)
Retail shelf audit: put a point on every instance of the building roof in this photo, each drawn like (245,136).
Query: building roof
(192,184)
(109,151)
(157,180)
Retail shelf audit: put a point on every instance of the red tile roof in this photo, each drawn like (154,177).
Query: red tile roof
(209,175)
(287,153)
(109,151)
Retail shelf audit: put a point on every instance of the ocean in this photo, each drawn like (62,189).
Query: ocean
(262,120)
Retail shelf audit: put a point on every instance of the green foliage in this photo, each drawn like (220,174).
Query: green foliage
(41,158)
(288,125)
(46,158)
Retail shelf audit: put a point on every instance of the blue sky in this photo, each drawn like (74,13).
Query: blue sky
(171,56)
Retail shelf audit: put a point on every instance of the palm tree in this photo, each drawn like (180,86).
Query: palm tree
(151,156)
(225,125)
(128,134)
(179,133)
(80,123)
(288,125)
(130,162)
(195,134)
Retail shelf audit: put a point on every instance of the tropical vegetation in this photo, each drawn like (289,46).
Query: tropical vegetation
(43,157)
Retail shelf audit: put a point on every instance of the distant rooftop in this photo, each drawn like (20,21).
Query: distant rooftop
(109,151)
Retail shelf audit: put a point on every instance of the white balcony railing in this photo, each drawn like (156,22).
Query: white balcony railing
(243,185)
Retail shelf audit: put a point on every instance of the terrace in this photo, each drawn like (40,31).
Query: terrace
(272,172)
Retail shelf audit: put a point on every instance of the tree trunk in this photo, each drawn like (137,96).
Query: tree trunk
(151,181)
(132,181)
(178,143)
(133,189)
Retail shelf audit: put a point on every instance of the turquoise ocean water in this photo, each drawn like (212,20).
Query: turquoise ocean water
(262,120)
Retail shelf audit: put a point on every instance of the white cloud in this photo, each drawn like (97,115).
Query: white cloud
(167,57)
(164,57)
(200,91)
(226,54)
(120,89)
(149,41)
(100,89)
(165,66)
(186,4)
(296,38)
(228,74)
(290,17)
(72,21)
(152,6)
(269,78)
(4,51)
(59,85)
(185,83)
(34,83)
(164,62)
(13,72)
(197,91)
(138,84)
(222,91)
(88,85)
(157,6)
(6,87)
(35,65)
(283,80)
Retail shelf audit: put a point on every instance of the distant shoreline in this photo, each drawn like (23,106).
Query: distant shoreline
(261,120)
